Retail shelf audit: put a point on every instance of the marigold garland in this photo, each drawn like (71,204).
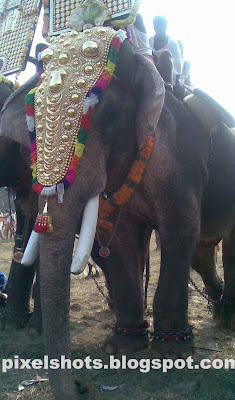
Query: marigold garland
(123,194)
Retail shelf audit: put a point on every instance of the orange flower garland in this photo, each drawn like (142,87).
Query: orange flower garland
(123,194)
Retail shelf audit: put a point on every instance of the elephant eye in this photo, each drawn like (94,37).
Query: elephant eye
(112,108)
(108,120)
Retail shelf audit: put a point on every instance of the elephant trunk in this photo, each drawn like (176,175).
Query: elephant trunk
(55,260)
(86,237)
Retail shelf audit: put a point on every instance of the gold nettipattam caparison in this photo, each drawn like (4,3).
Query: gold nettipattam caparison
(72,65)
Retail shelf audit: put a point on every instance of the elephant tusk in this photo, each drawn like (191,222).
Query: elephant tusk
(86,237)
(32,250)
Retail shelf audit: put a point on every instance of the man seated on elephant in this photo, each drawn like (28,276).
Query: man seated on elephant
(161,42)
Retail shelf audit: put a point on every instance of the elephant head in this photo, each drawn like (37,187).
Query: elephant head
(118,127)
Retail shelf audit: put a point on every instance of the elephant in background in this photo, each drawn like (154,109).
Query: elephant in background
(15,173)
(6,89)
(176,196)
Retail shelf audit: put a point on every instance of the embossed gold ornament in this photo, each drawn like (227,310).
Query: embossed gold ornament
(47,54)
(61,149)
(89,70)
(59,160)
(56,170)
(101,31)
(75,98)
(65,138)
(57,80)
(54,101)
(80,83)
(39,115)
(59,106)
(39,128)
(90,49)
(73,34)
(63,58)
(72,112)
(67,43)
(67,125)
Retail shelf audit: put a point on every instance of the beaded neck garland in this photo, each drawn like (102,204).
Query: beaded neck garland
(92,97)
(124,193)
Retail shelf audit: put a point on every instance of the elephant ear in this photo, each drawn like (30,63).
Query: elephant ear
(150,94)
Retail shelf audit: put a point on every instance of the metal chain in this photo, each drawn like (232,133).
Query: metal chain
(209,300)
(186,334)
(97,285)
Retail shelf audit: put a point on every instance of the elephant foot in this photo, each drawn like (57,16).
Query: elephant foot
(34,326)
(172,349)
(173,345)
(227,314)
(11,320)
(126,340)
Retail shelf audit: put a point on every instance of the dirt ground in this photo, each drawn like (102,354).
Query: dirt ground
(91,321)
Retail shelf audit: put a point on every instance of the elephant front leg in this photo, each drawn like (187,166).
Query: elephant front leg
(17,312)
(34,326)
(172,334)
(124,265)
(227,312)
(204,263)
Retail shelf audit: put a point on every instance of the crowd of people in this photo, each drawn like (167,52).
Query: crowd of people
(7,225)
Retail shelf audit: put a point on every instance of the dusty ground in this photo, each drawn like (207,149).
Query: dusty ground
(91,321)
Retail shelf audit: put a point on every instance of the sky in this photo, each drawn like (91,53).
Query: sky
(206,28)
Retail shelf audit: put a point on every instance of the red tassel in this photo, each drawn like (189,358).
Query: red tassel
(43,222)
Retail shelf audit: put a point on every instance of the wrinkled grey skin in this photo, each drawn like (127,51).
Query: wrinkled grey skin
(15,173)
(183,173)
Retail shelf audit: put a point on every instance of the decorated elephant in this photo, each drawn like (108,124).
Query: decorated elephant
(174,183)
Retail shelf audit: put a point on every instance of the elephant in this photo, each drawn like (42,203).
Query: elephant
(15,173)
(181,195)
